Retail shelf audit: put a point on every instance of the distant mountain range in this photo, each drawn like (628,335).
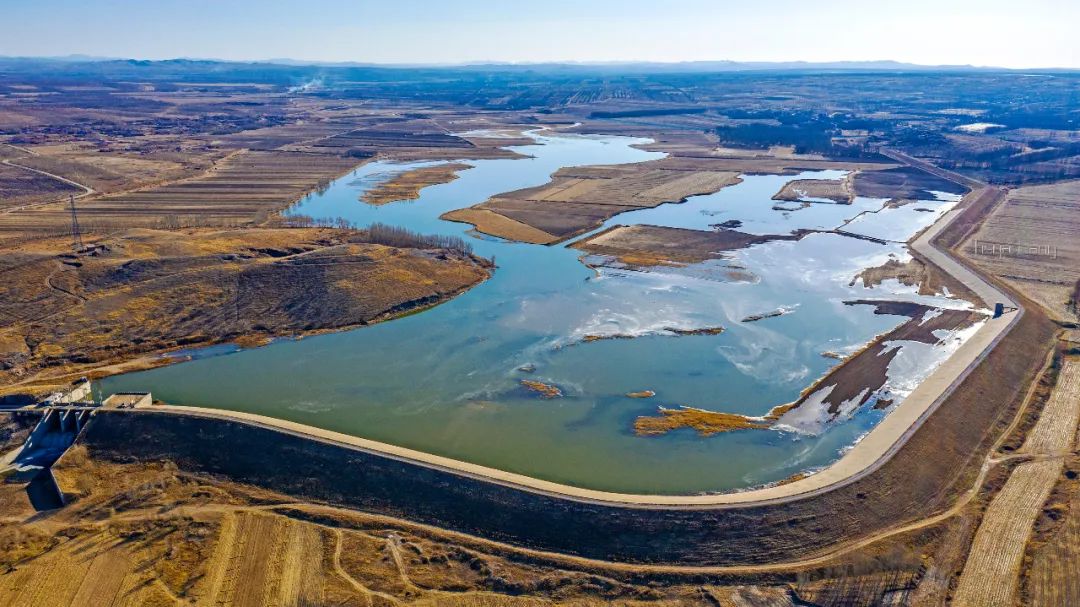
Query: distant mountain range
(680,66)
(583,66)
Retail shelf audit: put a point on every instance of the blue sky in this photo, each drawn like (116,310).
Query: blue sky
(1029,33)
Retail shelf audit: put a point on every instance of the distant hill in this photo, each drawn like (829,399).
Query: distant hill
(583,66)
(293,73)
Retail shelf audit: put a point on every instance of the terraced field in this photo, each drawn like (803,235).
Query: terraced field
(1052,579)
(1062,415)
(265,560)
(241,189)
(86,571)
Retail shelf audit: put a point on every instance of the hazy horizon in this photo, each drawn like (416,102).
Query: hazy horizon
(990,33)
(291,61)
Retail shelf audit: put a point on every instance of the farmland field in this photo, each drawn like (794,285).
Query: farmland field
(1032,241)
(990,575)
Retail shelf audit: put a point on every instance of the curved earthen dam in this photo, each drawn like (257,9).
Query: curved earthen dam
(912,464)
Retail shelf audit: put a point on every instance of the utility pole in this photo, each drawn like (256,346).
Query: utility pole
(76,234)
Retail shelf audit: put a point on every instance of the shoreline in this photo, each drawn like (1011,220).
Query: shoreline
(160,357)
(852,462)
(865,456)
(876,447)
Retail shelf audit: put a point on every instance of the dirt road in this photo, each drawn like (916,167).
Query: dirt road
(87,190)
(937,171)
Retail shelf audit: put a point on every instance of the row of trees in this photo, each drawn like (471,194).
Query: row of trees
(307,221)
(1074,301)
(394,236)
(381,233)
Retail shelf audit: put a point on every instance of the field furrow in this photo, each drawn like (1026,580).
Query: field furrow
(1053,579)
(1056,428)
(990,575)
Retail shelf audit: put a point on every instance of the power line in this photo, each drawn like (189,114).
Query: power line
(76,233)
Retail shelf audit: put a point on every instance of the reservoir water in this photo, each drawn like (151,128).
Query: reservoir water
(447,380)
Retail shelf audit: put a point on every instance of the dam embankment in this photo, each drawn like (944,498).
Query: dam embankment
(938,462)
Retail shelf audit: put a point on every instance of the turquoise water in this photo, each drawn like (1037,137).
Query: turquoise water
(446,380)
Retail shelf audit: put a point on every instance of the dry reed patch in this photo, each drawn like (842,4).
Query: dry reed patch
(707,423)
(804,190)
(407,185)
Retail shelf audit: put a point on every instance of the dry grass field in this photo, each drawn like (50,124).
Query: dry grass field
(107,173)
(151,534)
(992,570)
(181,192)
(20,186)
(915,272)
(151,290)
(840,191)
(902,182)
(1057,426)
(490,222)
(706,423)
(1032,241)
(1053,556)
(578,199)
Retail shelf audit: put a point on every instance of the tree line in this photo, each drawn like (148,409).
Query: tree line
(381,233)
